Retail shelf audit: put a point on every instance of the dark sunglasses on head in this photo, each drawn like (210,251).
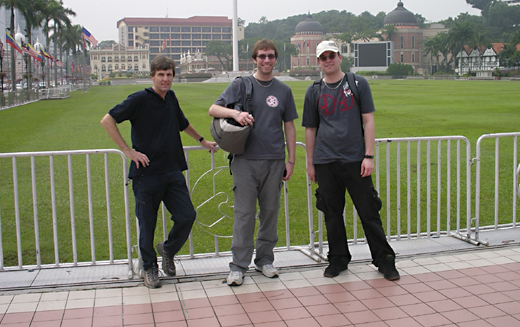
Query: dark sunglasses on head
(263,56)
(331,56)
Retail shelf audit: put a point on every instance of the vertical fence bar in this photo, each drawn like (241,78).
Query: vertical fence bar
(419,189)
(90,210)
(286,210)
(388,189)
(497,178)
(428,188)
(109,211)
(53,212)
(72,214)
(448,186)
(398,195)
(17,214)
(515,178)
(408,191)
(439,187)
(35,214)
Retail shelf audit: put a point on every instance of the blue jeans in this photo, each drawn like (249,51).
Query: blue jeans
(333,179)
(171,189)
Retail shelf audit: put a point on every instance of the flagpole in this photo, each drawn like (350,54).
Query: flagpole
(235,37)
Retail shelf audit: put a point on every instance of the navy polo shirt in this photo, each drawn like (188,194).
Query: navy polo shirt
(156,126)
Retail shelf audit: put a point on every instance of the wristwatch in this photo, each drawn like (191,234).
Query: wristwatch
(367,156)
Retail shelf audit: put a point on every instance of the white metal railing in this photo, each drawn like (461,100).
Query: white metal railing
(502,172)
(424,182)
(59,92)
(50,199)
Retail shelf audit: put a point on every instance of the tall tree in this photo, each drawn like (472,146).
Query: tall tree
(221,50)
(32,12)
(55,16)
(460,35)
(11,5)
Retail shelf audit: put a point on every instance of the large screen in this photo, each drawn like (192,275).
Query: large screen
(373,54)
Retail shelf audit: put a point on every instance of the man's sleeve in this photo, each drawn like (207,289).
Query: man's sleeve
(290,111)
(232,95)
(367,102)
(126,110)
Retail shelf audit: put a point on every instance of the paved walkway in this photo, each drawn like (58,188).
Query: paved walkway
(479,287)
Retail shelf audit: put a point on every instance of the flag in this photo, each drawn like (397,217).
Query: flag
(59,63)
(9,39)
(86,35)
(30,50)
(163,45)
(46,54)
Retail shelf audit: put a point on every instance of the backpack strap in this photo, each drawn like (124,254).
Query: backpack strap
(316,91)
(351,79)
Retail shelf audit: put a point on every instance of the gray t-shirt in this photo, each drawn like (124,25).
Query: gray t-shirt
(273,104)
(340,135)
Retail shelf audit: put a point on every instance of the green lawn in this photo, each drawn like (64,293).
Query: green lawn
(404,109)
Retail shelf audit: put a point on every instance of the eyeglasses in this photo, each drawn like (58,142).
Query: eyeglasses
(263,56)
(331,56)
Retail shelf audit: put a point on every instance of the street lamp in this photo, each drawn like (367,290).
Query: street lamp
(1,64)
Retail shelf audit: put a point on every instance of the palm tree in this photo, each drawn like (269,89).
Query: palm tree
(32,13)
(72,42)
(55,16)
(460,35)
(12,5)
(481,42)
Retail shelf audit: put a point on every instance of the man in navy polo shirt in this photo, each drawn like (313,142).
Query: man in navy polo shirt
(157,164)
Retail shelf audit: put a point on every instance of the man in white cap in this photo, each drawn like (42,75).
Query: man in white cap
(340,138)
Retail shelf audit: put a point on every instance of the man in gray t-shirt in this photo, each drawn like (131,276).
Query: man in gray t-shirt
(258,172)
(340,138)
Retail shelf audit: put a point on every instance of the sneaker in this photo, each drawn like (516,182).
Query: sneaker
(269,271)
(336,265)
(235,278)
(151,277)
(168,266)
(387,268)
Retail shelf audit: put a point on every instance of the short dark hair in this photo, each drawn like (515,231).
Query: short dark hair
(264,44)
(162,62)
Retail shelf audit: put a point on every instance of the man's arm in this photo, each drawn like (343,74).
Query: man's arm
(242,117)
(190,130)
(110,125)
(310,141)
(290,139)
(367,167)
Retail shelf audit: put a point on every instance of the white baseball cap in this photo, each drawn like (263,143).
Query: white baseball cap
(326,46)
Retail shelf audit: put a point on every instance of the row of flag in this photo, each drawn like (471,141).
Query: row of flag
(39,55)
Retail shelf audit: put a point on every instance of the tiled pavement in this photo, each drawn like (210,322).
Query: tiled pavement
(479,287)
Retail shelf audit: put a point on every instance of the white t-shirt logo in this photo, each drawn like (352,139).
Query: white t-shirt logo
(272,101)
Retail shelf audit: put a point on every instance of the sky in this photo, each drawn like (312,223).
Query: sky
(100,16)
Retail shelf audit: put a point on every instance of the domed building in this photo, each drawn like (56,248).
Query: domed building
(407,38)
(308,34)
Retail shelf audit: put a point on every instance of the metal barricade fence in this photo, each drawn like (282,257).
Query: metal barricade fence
(500,158)
(425,186)
(424,183)
(72,196)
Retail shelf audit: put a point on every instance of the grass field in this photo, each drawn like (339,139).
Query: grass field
(404,108)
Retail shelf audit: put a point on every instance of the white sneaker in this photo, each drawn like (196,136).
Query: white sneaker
(235,278)
(269,271)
